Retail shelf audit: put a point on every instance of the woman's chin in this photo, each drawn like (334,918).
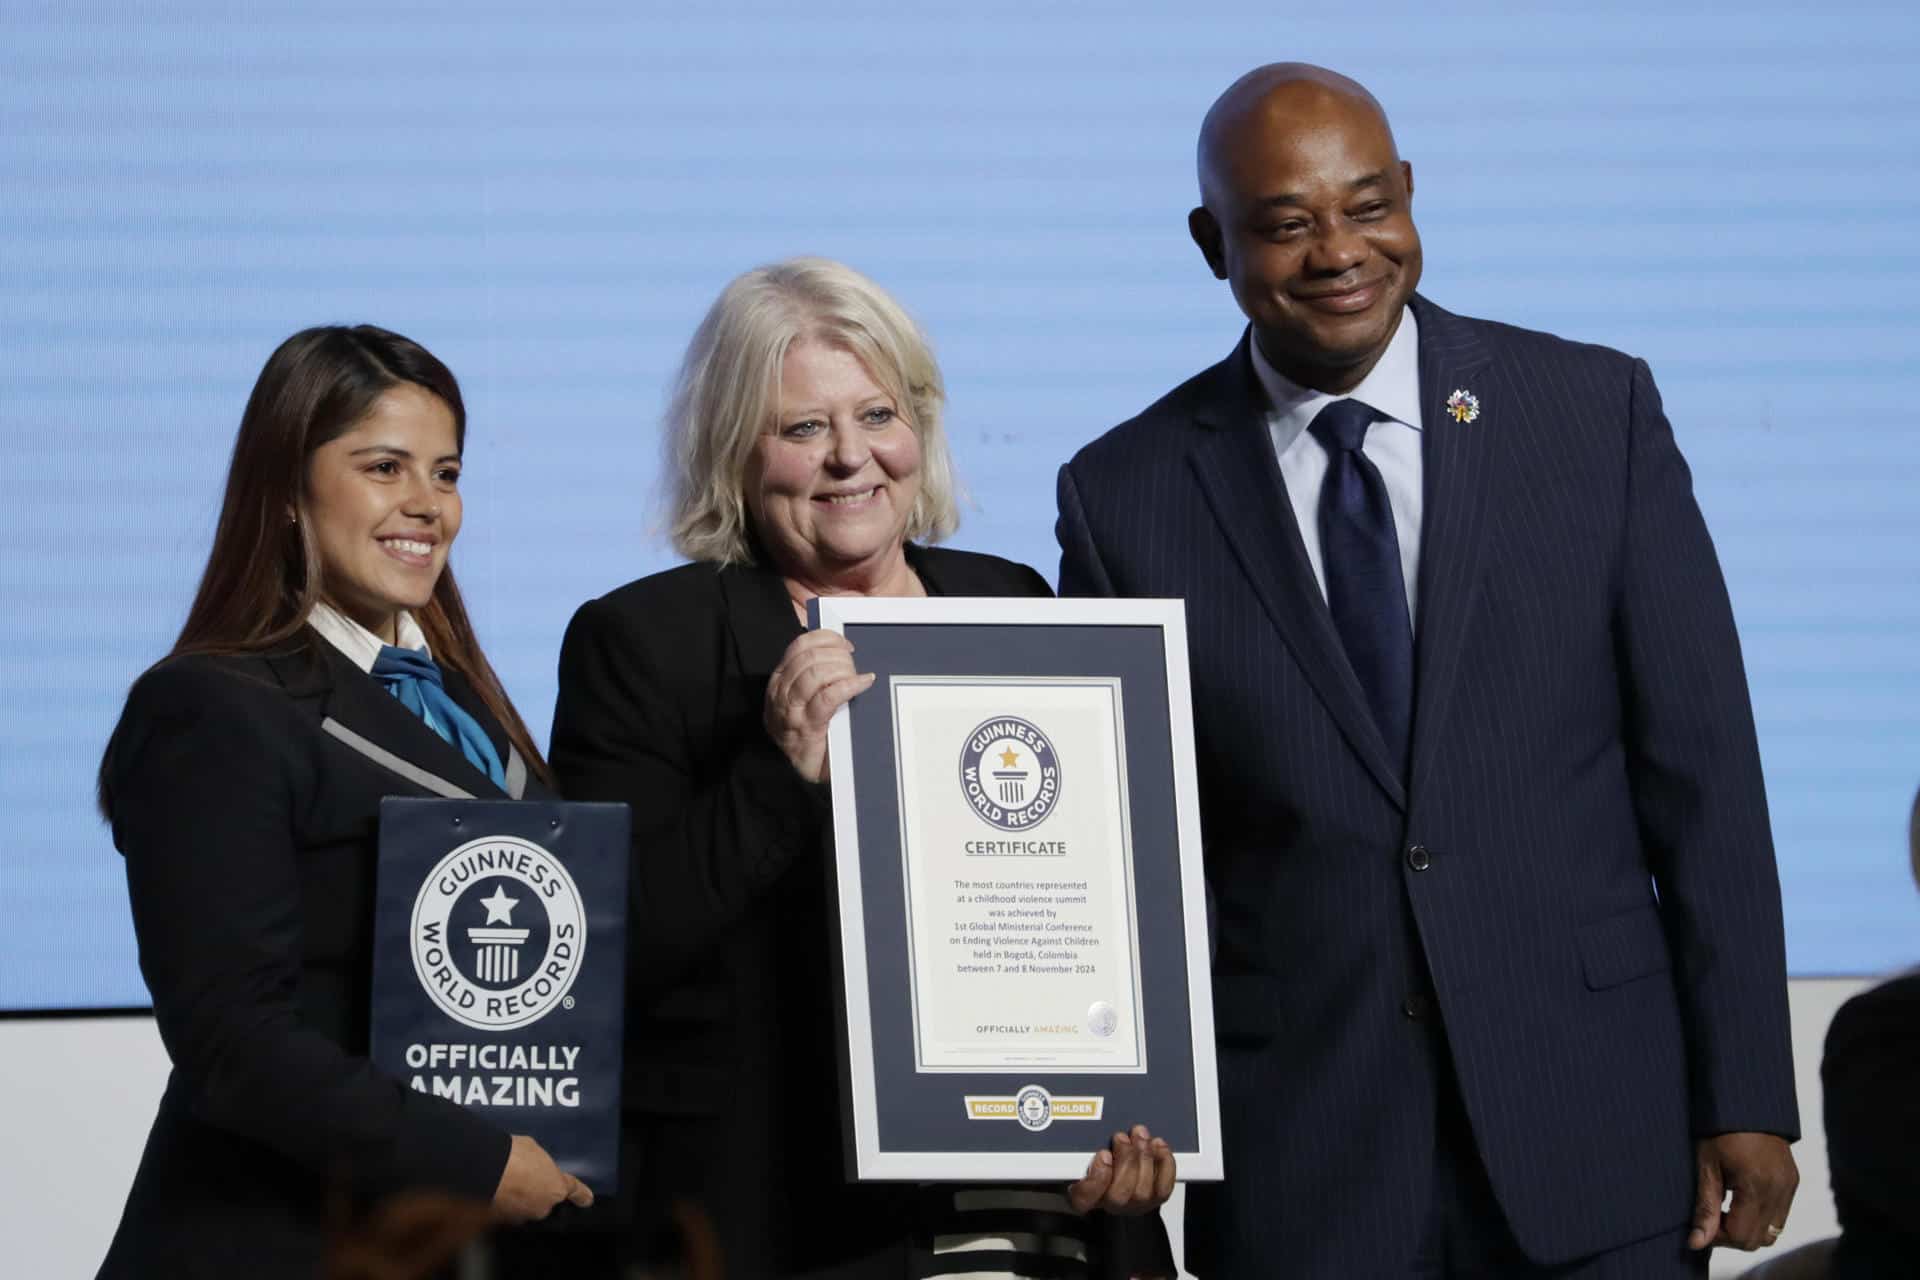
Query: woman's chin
(863,555)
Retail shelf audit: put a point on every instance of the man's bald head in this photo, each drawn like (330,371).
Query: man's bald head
(1275,96)
(1306,210)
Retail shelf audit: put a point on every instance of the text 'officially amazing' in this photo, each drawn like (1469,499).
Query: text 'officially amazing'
(514,1087)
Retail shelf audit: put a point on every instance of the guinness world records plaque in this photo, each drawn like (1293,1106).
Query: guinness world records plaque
(499,966)
(1017,873)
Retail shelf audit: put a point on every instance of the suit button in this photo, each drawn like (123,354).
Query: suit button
(1418,858)
(1417,1007)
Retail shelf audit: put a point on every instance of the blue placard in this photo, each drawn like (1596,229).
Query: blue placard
(499,966)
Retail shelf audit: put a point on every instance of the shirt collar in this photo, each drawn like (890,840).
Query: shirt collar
(361,646)
(1391,387)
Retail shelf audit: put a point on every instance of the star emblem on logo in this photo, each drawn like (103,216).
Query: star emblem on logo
(499,906)
(1009,758)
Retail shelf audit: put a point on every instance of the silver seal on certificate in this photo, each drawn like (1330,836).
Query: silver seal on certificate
(1101,1018)
(1009,773)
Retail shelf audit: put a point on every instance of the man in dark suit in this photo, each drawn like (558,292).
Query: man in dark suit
(1499,977)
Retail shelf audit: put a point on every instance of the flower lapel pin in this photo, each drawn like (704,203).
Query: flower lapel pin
(1463,406)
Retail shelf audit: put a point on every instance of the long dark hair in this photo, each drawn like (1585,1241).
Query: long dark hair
(263,573)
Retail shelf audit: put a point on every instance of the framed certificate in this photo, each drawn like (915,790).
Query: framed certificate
(1021,911)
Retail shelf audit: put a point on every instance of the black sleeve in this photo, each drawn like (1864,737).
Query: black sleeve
(1033,584)
(1081,571)
(706,841)
(1134,1246)
(1693,763)
(203,803)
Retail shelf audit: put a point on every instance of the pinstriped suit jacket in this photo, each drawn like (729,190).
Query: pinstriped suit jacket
(1576,874)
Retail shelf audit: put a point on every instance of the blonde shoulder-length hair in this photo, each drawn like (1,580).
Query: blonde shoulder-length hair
(727,394)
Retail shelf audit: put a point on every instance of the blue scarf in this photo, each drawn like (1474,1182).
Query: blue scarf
(414,678)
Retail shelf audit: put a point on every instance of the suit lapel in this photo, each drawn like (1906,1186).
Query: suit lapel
(1241,479)
(938,579)
(760,614)
(349,697)
(947,574)
(760,617)
(1457,460)
(513,765)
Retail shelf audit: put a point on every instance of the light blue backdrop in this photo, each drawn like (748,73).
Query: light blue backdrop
(549,196)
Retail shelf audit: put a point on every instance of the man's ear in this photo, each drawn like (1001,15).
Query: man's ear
(1406,171)
(1206,233)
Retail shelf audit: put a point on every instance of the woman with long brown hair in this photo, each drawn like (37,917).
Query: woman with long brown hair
(326,662)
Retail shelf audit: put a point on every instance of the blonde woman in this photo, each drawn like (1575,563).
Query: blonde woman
(807,459)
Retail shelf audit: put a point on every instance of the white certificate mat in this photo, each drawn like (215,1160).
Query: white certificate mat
(1017,857)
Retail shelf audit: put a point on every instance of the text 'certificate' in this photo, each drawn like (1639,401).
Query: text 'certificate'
(1018,865)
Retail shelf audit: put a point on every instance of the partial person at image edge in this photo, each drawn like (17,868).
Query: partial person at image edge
(1870,1079)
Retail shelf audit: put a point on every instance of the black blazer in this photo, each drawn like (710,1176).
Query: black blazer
(1871,1079)
(1570,901)
(732,1091)
(248,818)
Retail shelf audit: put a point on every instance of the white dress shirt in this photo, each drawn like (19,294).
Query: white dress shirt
(361,646)
(1391,387)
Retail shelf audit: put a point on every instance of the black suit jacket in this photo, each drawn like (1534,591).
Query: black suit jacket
(1871,1079)
(1571,896)
(732,1088)
(249,826)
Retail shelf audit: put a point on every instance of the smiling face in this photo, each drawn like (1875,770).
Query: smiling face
(1308,214)
(832,481)
(383,505)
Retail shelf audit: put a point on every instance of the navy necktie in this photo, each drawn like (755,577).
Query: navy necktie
(1360,555)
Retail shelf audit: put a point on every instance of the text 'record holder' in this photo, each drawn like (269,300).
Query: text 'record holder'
(499,966)
(1021,913)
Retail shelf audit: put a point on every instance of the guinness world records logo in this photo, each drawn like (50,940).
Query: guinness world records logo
(1033,1108)
(498,933)
(1009,773)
